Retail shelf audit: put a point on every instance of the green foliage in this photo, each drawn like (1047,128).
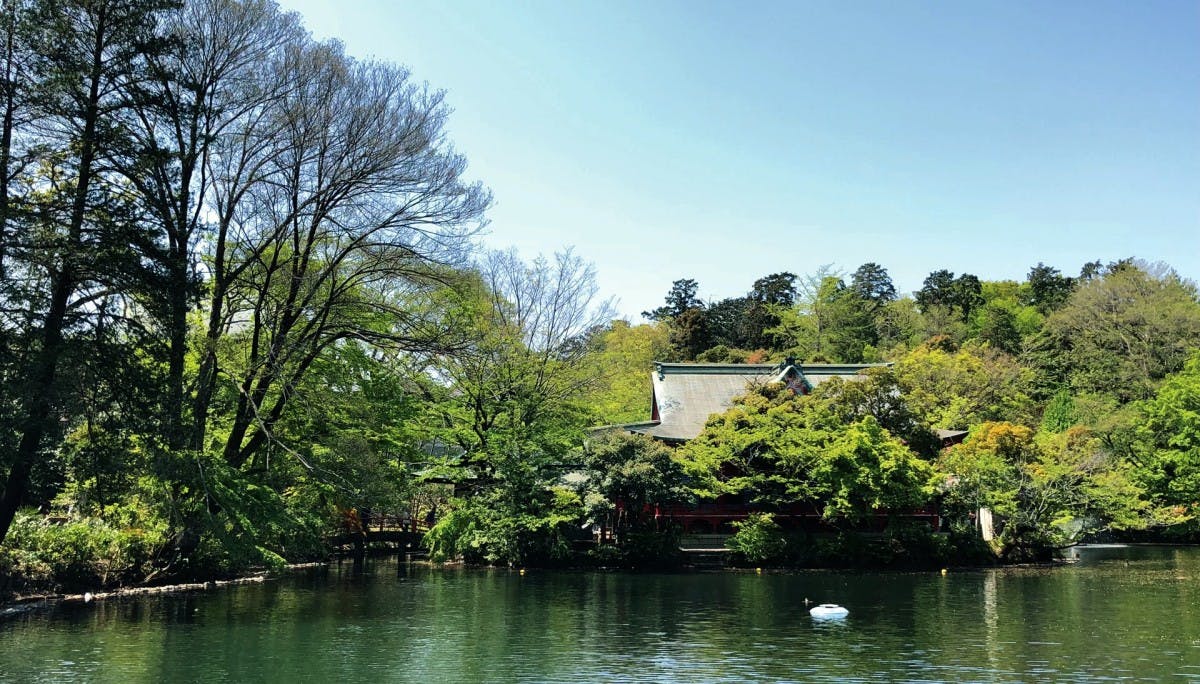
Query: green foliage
(879,395)
(998,328)
(900,325)
(723,354)
(1045,493)
(512,408)
(872,283)
(104,466)
(512,526)
(78,554)
(523,382)
(626,476)
(736,322)
(1168,442)
(355,426)
(624,361)
(766,299)
(623,478)
(225,520)
(1048,289)
(1120,334)
(730,325)
(1059,414)
(936,290)
(865,470)
(256,526)
(834,322)
(689,333)
(681,298)
(758,539)
(830,320)
(455,534)
(957,389)
(960,295)
(776,448)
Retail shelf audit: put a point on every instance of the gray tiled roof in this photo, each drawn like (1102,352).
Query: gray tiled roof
(686,394)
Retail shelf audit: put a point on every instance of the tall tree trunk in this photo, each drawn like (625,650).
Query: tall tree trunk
(206,376)
(42,388)
(39,397)
(177,437)
(8,100)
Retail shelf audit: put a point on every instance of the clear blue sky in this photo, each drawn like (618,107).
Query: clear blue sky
(725,141)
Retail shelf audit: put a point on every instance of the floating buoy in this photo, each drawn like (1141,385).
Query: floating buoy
(828,610)
(943,571)
(87,597)
(758,570)
(522,572)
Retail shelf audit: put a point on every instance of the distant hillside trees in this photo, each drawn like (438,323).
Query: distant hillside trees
(1120,333)
(1075,391)
(823,316)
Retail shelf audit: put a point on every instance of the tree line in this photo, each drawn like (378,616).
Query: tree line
(242,308)
(201,206)
(1075,391)
(1072,330)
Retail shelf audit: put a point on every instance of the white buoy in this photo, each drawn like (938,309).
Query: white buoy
(828,610)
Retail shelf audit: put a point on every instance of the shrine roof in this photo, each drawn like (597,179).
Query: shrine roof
(686,394)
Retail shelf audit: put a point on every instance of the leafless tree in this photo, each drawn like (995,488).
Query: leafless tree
(335,208)
(211,83)
(534,328)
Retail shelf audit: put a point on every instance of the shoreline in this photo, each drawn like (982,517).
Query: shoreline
(20,602)
(14,603)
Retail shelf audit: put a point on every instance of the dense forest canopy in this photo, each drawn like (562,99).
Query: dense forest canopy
(241,303)
(202,208)
(1058,379)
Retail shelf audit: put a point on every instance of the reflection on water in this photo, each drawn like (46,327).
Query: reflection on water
(1119,613)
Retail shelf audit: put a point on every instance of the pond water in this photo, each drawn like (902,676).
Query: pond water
(1120,613)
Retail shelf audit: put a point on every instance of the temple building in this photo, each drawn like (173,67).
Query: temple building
(684,395)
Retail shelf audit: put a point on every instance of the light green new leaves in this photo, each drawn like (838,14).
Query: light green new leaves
(1169,441)
(777,449)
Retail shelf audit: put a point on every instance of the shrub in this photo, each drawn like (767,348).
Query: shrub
(605,555)
(902,545)
(651,549)
(77,555)
(758,539)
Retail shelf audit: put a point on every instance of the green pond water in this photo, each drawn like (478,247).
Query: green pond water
(1119,614)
